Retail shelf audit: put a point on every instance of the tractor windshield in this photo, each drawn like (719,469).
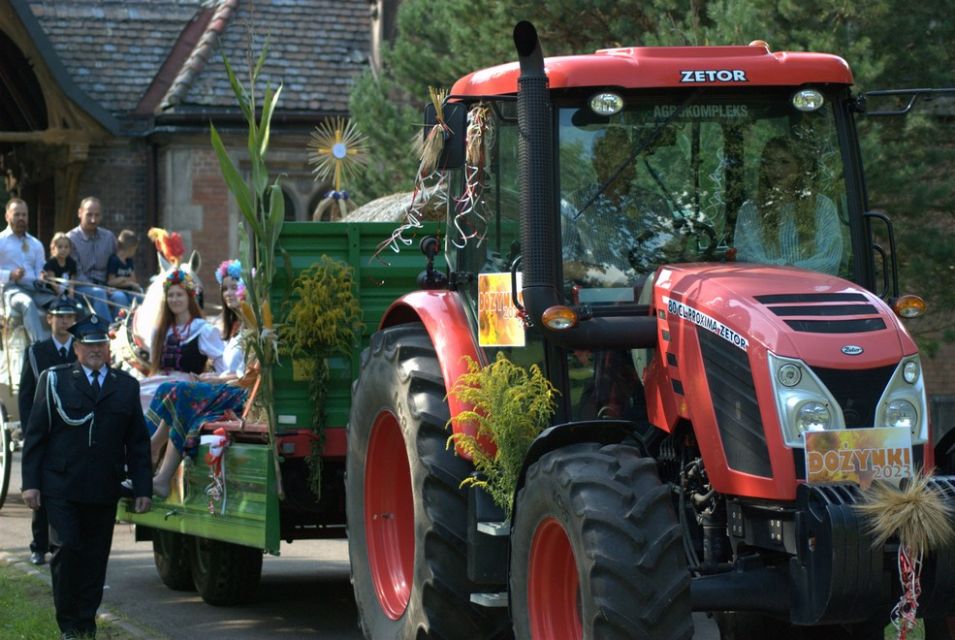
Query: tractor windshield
(709,177)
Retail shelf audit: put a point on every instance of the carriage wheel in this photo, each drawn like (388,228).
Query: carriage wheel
(6,455)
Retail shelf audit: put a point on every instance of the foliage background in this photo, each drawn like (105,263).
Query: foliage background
(910,162)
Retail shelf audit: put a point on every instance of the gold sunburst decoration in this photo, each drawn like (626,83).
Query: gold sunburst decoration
(336,150)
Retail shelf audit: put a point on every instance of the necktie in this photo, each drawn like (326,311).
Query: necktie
(95,383)
(63,353)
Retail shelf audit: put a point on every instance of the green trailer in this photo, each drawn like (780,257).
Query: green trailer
(217,546)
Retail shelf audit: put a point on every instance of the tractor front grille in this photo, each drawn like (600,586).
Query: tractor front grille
(730,380)
(857,391)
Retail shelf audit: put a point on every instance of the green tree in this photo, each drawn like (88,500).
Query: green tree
(889,43)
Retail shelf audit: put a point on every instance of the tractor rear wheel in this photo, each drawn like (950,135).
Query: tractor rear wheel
(407,515)
(171,554)
(596,549)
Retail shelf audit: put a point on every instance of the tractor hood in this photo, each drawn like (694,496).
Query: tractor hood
(820,319)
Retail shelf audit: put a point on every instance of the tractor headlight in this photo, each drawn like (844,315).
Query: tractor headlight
(789,375)
(813,416)
(802,401)
(911,371)
(901,413)
(903,403)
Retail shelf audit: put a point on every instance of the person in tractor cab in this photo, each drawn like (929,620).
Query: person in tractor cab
(788,222)
(607,219)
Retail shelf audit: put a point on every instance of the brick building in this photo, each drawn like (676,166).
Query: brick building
(113,98)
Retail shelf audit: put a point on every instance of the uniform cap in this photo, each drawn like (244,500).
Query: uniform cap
(62,306)
(90,330)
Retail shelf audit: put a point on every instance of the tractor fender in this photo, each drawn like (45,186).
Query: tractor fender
(443,316)
(561,435)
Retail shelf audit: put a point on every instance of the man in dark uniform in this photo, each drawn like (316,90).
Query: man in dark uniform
(86,425)
(40,356)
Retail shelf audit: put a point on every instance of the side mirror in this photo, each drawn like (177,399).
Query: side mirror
(456,117)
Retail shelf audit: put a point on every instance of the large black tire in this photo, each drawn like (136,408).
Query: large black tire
(596,551)
(171,554)
(407,515)
(225,573)
(6,454)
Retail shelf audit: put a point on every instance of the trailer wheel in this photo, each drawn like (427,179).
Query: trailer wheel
(407,515)
(595,549)
(171,554)
(225,573)
(6,454)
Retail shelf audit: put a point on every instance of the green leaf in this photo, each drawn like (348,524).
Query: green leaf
(276,211)
(268,108)
(260,176)
(240,94)
(234,181)
(263,54)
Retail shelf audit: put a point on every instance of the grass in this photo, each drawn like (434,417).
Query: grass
(26,609)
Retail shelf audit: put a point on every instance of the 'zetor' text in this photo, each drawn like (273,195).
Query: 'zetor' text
(713,75)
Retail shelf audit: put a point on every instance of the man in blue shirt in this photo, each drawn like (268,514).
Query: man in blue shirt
(92,247)
(21,261)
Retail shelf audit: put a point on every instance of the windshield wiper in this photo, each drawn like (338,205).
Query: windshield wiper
(649,140)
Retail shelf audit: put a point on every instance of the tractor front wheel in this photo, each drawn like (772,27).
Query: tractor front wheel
(407,515)
(596,549)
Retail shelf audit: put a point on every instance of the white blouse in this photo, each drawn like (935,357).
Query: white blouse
(234,357)
(826,248)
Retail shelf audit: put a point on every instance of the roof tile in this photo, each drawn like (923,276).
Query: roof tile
(113,49)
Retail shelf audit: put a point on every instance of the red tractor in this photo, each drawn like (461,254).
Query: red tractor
(700,281)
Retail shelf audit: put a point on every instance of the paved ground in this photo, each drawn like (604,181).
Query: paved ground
(305,593)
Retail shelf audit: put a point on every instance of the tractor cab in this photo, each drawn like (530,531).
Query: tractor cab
(671,155)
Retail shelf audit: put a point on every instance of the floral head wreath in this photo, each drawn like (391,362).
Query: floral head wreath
(232,269)
(181,278)
(229,268)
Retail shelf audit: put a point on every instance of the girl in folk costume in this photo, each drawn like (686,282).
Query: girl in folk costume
(179,409)
(184,341)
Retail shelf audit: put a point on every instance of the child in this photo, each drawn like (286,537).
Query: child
(60,265)
(120,272)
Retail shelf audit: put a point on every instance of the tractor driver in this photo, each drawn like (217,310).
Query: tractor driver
(599,226)
(788,223)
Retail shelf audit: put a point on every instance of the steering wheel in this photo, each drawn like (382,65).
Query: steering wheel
(696,228)
(666,235)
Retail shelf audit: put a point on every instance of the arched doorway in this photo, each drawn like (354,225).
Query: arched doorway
(23,164)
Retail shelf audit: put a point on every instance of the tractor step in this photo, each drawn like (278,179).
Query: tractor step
(495,529)
(498,599)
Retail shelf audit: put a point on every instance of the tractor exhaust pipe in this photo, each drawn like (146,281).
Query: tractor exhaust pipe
(540,220)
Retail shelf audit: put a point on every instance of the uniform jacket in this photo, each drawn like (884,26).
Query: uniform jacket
(85,462)
(39,357)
